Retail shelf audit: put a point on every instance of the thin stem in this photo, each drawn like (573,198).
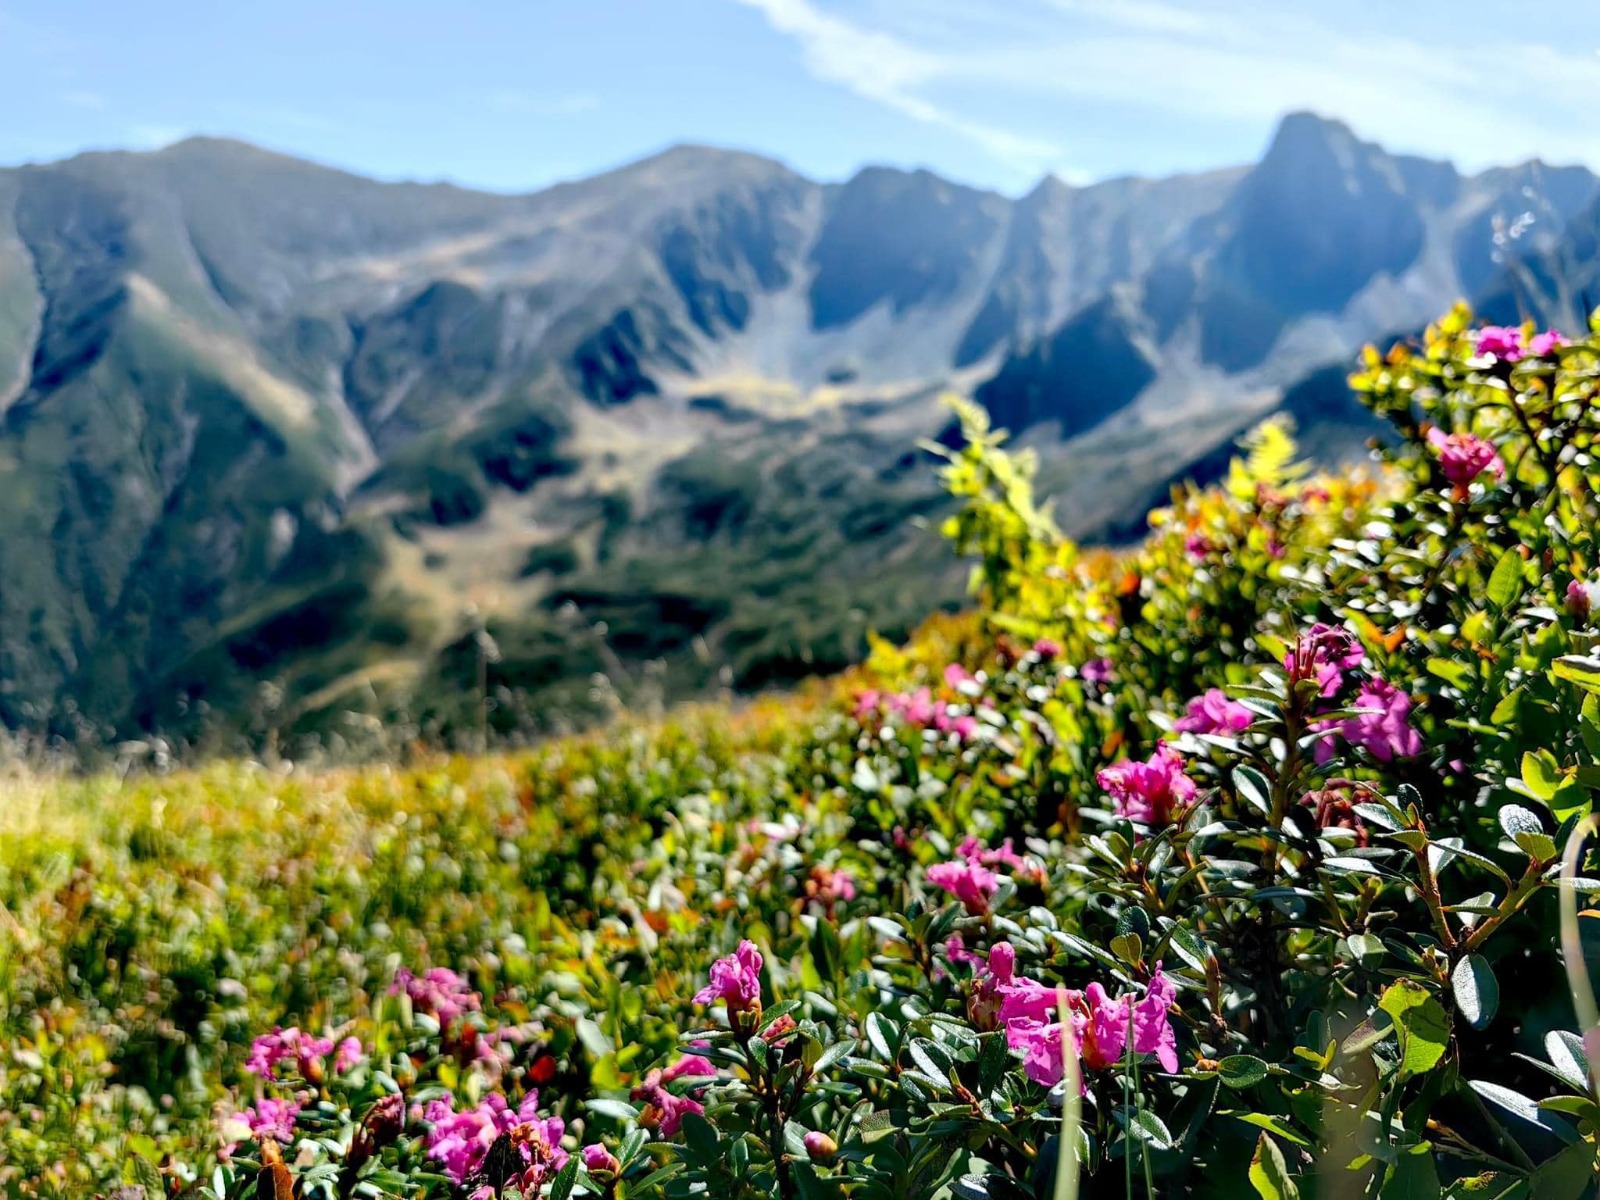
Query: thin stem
(1071,1107)
(1572,950)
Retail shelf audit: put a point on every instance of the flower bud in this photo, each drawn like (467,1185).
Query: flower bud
(378,1128)
(820,1146)
(1581,599)
(600,1161)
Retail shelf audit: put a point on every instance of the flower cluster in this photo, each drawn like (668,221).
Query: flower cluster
(1463,457)
(460,1141)
(307,1054)
(1215,713)
(735,980)
(1099,1030)
(1152,791)
(1505,342)
(438,992)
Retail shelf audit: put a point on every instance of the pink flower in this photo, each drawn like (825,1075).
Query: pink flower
(1215,713)
(735,980)
(597,1159)
(1047,648)
(303,1050)
(956,676)
(1323,653)
(1197,545)
(963,726)
(1384,728)
(1005,854)
(690,1066)
(967,881)
(350,1055)
(867,704)
(270,1118)
(663,1110)
(1096,671)
(994,976)
(1582,598)
(1148,791)
(829,886)
(1465,456)
(955,951)
(1502,341)
(1100,1026)
(1041,1046)
(460,1141)
(438,991)
(1544,345)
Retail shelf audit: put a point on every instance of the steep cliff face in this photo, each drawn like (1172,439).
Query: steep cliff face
(262,422)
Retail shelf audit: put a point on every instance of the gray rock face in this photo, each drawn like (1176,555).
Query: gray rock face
(262,421)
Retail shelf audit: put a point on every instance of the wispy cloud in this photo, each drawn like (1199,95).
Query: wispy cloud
(1057,64)
(890,70)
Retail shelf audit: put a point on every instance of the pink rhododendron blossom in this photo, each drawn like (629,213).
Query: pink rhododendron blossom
(1004,854)
(967,881)
(438,991)
(690,1066)
(867,704)
(1100,1026)
(958,677)
(829,886)
(597,1159)
(459,1141)
(1465,456)
(1543,345)
(663,1110)
(1502,341)
(735,980)
(1323,653)
(1041,1046)
(272,1118)
(306,1052)
(1215,713)
(1096,671)
(350,1054)
(963,725)
(1148,791)
(1384,727)
(1582,599)
(955,951)
(995,974)
(1047,649)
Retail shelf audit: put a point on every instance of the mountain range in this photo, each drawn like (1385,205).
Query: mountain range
(278,442)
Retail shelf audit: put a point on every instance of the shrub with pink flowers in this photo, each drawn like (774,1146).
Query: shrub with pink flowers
(1226,865)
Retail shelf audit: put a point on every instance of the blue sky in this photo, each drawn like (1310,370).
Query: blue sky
(514,96)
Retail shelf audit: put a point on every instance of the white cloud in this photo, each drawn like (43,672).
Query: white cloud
(1236,61)
(891,71)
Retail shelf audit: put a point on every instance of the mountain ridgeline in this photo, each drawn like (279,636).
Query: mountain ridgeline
(278,442)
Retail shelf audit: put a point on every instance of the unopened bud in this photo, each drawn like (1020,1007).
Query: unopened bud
(1581,599)
(599,1160)
(820,1146)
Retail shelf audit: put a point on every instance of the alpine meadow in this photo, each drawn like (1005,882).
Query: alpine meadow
(799,600)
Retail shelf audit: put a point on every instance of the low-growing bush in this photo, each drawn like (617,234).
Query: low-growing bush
(1228,865)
